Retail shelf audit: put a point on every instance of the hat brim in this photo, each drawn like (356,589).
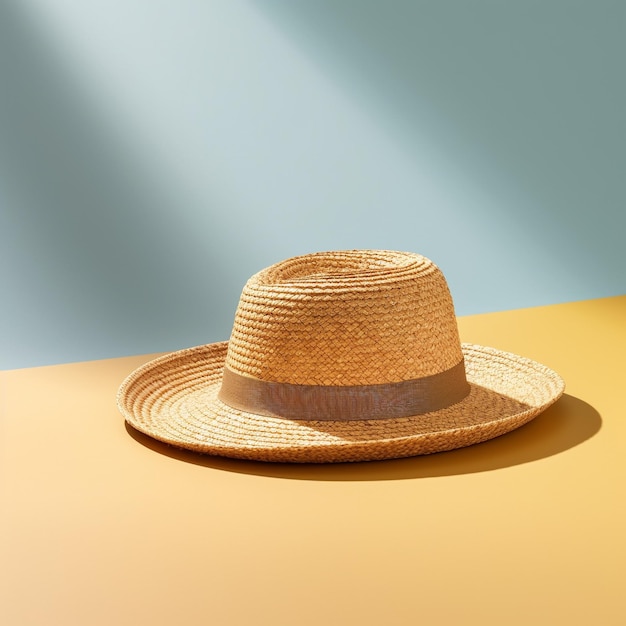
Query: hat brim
(174,399)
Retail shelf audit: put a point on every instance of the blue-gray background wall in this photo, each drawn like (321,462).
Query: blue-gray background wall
(154,154)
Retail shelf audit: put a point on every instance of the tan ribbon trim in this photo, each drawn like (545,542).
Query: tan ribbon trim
(356,402)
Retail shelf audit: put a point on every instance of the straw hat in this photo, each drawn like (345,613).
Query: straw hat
(338,356)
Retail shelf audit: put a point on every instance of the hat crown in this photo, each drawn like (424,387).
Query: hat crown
(355,317)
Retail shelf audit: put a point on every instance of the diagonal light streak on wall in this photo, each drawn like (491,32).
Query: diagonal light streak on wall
(218,137)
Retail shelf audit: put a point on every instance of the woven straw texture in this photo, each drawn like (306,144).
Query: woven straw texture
(345,318)
(341,318)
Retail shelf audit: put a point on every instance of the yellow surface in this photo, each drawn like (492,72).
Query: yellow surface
(103,526)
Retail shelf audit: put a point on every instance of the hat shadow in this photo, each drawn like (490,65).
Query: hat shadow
(566,424)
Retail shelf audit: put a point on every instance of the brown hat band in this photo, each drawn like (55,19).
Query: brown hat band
(342,403)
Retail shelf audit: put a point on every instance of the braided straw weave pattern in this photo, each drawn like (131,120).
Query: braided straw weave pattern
(174,398)
(345,318)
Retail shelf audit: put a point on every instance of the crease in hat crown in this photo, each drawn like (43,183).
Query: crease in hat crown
(355,317)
